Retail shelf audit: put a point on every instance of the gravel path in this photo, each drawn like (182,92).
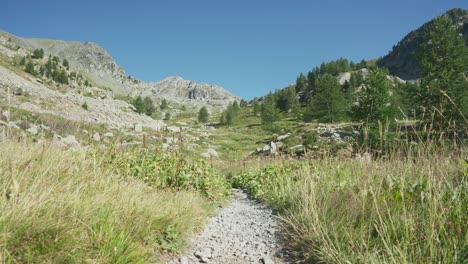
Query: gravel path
(244,231)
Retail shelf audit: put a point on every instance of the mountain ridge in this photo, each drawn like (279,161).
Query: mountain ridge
(100,67)
(400,60)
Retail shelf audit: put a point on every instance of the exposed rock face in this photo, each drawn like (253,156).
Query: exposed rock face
(400,61)
(193,94)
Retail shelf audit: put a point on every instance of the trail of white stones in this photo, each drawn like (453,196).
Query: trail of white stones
(244,231)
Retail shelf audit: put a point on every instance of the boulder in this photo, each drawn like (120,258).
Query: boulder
(272,147)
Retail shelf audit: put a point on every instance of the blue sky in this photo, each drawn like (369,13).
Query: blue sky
(248,47)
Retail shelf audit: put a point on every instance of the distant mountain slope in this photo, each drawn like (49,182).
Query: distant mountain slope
(400,61)
(97,65)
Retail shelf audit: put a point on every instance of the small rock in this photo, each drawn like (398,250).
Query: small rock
(32,130)
(204,253)
(108,135)
(212,152)
(44,127)
(283,137)
(184,260)
(137,127)
(85,132)
(71,141)
(12,124)
(96,137)
(6,115)
(265,148)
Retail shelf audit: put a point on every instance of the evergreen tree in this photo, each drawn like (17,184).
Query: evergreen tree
(164,104)
(139,105)
(301,84)
(149,106)
(243,103)
(269,113)
(328,103)
(443,62)
(30,68)
(374,102)
(66,64)
(203,115)
(167,116)
(62,77)
(256,108)
(38,54)
(23,61)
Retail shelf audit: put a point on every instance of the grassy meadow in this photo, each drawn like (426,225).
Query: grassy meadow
(64,206)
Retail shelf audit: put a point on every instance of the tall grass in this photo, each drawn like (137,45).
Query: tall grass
(392,210)
(59,206)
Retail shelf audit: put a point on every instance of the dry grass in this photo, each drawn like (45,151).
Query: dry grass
(401,210)
(59,206)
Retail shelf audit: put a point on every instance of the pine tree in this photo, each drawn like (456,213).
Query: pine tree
(328,103)
(374,102)
(38,54)
(269,113)
(149,106)
(139,105)
(256,108)
(203,115)
(66,64)
(443,62)
(164,104)
(30,68)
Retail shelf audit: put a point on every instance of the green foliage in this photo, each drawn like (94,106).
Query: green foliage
(66,64)
(328,103)
(84,106)
(62,77)
(269,113)
(23,61)
(231,114)
(167,116)
(203,115)
(337,211)
(443,62)
(139,105)
(243,103)
(149,107)
(38,54)
(257,108)
(30,68)
(143,106)
(374,103)
(171,171)
(164,104)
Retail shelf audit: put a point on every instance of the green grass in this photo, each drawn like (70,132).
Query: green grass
(410,210)
(63,206)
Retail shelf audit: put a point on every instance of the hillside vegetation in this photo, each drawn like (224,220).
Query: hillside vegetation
(360,166)
(60,206)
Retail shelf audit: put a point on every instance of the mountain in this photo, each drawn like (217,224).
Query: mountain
(97,65)
(400,60)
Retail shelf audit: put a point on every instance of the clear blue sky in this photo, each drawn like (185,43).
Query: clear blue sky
(249,47)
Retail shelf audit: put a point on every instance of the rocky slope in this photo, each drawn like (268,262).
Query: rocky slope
(98,66)
(400,60)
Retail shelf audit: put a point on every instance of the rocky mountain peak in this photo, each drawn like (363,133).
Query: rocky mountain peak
(400,60)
